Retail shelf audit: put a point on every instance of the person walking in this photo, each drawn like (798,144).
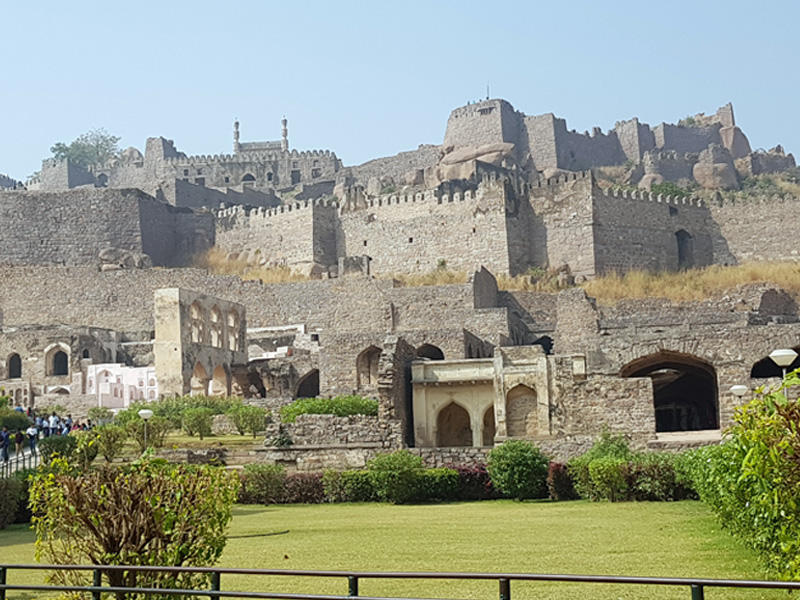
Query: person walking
(19,439)
(33,436)
(5,440)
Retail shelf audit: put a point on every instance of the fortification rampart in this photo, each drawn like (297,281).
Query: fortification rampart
(397,167)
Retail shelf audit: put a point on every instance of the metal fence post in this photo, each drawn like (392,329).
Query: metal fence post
(2,583)
(697,592)
(215,583)
(352,586)
(97,581)
(505,589)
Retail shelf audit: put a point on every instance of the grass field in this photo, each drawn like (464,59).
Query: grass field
(677,539)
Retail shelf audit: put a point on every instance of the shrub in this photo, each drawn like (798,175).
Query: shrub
(23,509)
(248,419)
(262,484)
(474,483)
(657,476)
(607,476)
(110,440)
(559,483)
(303,488)
(437,485)
(151,513)
(605,446)
(198,421)
(340,406)
(396,476)
(85,448)
(13,419)
(157,430)
(348,486)
(10,492)
(100,415)
(518,469)
(63,445)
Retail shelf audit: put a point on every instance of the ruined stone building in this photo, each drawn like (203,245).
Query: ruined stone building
(98,294)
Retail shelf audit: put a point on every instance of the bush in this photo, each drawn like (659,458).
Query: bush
(63,445)
(607,476)
(13,419)
(348,486)
(23,509)
(396,476)
(474,483)
(10,492)
(303,488)
(248,419)
(198,421)
(100,415)
(85,448)
(437,485)
(262,484)
(157,430)
(340,406)
(658,476)
(110,441)
(559,483)
(606,446)
(518,469)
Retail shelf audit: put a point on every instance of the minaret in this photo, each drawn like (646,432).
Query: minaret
(285,134)
(236,146)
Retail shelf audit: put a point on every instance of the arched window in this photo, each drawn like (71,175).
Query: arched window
(233,331)
(219,381)
(199,381)
(85,353)
(248,178)
(57,362)
(308,386)
(488,433)
(14,367)
(430,352)
(521,412)
(766,367)
(367,367)
(197,324)
(685,249)
(453,427)
(215,316)
(684,390)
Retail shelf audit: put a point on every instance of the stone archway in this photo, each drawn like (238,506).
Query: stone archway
(199,382)
(220,382)
(521,421)
(308,386)
(766,367)
(367,367)
(430,352)
(453,427)
(14,366)
(489,429)
(685,395)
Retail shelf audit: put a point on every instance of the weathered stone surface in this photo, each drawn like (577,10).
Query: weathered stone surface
(735,141)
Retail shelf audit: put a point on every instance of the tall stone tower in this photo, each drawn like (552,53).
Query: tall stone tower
(285,134)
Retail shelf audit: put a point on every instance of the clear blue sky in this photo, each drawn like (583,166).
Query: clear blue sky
(370,79)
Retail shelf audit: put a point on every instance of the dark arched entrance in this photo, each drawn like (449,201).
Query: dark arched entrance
(685,395)
(60,363)
(308,386)
(430,352)
(766,367)
(453,427)
(14,367)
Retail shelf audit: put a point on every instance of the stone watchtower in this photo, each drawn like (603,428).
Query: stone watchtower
(236,145)
(284,134)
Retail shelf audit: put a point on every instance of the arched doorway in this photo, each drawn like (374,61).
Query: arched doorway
(367,367)
(57,362)
(308,386)
(14,367)
(199,383)
(546,342)
(430,352)
(685,249)
(521,412)
(684,390)
(248,178)
(488,432)
(766,367)
(220,385)
(453,427)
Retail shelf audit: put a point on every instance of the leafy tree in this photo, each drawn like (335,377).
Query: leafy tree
(198,421)
(151,513)
(248,419)
(111,440)
(157,430)
(93,148)
(101,415)
(518,469)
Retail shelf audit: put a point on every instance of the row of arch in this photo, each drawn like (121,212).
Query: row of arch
(368,360)
(214,330)
(218,383)
(56,361)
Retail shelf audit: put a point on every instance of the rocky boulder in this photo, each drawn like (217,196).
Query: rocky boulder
(715,170)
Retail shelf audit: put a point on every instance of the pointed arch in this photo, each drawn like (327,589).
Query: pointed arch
(196,318)
(56,360)
(308,386)
(489,428)
(453,427)
(685,393)
(546,342)
(367,367)
(14,366)
(521,418)
(220,382)
(430,352)
(199,383)
(766,367)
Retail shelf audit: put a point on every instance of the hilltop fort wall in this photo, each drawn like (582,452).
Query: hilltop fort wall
(71,228)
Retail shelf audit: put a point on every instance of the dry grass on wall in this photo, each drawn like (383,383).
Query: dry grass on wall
(219,262)
(695,284)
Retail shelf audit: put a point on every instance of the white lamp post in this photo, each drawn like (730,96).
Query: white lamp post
(783,357)
(145,413)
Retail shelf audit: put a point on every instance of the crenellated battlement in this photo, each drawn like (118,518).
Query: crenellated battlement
(650,197)
(560,180)
(249,157)
(261,212)
(724,202)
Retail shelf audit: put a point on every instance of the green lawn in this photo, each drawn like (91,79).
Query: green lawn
(677,539)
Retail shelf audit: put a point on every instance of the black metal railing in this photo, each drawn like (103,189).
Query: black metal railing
(17,462)
(694,587)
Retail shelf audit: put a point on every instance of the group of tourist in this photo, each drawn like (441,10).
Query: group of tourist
(40,426)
